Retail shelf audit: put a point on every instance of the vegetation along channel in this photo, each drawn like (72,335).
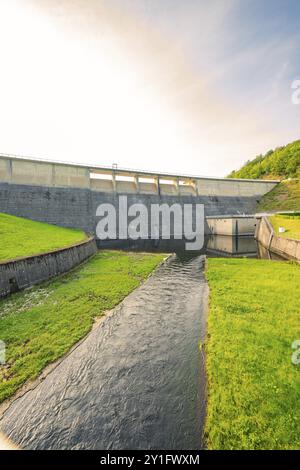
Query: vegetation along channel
(135,382)
(138,379)
(149,230)
(158,349)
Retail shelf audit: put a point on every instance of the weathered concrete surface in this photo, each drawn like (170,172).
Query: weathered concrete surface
(27,171)
(72,207)
(224,245)
(66,207)
(136,382)
(41,173)
(68,195)
(19,274)
(284,247)
(232,225)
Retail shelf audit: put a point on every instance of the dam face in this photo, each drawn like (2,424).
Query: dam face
(68,195)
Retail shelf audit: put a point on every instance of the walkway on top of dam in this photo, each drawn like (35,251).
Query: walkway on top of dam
(69,195)
(136,382)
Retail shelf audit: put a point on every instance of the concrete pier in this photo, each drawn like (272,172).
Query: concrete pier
(232,225)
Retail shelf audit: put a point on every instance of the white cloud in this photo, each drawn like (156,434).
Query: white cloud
(84,81)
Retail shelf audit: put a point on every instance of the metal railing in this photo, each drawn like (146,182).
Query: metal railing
(119,170)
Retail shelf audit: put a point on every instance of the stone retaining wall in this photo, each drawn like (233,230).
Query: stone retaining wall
(20,273)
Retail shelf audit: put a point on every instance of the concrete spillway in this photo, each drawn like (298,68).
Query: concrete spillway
(68,195)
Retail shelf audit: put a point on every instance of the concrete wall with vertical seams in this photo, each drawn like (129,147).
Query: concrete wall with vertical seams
(25,272)
(285,247)
(68,195)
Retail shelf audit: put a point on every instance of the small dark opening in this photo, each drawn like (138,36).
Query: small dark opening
(13,285)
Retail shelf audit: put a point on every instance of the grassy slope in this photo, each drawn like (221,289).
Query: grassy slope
(282,163)
(292,226)
(254,388)
(285,196)
(40,325)
(22,237)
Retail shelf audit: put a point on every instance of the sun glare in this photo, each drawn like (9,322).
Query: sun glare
(88,91)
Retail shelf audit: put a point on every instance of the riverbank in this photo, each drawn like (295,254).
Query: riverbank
(137,379)
(270,239)
(23,237)
(284,197)
(40,325)
(291,224)
(254,389)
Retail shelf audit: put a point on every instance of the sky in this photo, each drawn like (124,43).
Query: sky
(184,86)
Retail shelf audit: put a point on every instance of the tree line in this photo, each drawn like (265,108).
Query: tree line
(283,162)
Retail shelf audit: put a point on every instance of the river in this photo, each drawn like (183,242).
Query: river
(136,382)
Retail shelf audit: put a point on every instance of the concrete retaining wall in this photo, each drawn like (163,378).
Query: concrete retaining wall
(232,226)
(224,245)
(284,247)
(25,272)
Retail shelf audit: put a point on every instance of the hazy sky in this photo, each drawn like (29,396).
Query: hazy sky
(191,86)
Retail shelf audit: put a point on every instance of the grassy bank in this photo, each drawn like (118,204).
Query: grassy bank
(290,223)
(22,237)
(284,197)
(254,389)
(40,325)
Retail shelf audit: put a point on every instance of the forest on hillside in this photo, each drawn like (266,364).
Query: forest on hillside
(281,163)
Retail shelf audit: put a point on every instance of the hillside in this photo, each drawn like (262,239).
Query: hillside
(284,197)
(284,162)
(22,237)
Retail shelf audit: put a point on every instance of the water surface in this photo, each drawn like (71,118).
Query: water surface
(136,382)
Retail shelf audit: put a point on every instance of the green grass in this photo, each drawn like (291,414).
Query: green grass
(285,196)
(254,389)
(293,215)
(23,237)
(281,163)
(291,225)
(40,325)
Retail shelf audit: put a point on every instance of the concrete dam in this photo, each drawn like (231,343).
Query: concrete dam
(69,194)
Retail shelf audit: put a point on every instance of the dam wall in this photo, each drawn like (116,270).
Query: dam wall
(68,195)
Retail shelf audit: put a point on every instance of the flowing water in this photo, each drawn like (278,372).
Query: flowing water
(136,382)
